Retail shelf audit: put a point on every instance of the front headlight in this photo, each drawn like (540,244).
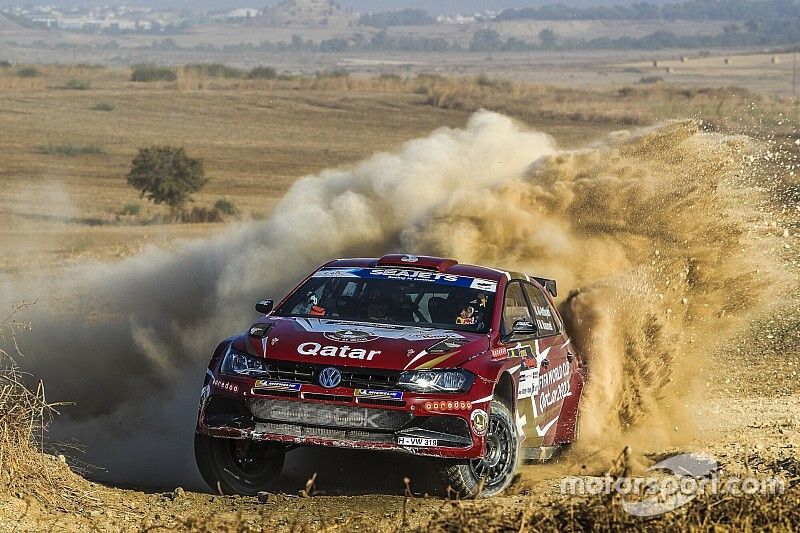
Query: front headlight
(237,363)
(436,380)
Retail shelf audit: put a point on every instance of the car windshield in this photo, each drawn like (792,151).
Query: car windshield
(408,297)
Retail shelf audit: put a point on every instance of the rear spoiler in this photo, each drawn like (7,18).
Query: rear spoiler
(548,284)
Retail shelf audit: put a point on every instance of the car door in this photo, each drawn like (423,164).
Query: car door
(557,366)
(523,348)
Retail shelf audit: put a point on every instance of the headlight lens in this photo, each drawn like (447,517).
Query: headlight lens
(237,363)
(436,380)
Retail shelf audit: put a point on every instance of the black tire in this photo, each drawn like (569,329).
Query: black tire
(238,466)
(493,473)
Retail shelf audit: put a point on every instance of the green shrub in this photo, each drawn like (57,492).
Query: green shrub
(225,207)
(216,70)
(77,85)
(103,106)
(131,209)
(165,174)
(200,215)
(425,77)
(28,72)
(5,63)
(332,74)
(262,73)
(483,80)
(70,150)
(153,73)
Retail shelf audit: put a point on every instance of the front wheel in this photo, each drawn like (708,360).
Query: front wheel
(238,466)
(493,473)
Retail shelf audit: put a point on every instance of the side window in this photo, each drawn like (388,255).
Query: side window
(543,312)
(514,307)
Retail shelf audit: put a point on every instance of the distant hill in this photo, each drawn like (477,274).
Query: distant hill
(307,13)
(6,24)
(436,7)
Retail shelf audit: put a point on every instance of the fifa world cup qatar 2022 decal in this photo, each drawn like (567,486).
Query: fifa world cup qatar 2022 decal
(540,388)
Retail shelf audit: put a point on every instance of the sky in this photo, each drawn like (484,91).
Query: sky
(433,7)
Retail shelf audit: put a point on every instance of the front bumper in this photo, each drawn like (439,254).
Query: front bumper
(307,414)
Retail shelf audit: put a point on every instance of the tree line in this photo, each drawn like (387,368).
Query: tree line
(741,10)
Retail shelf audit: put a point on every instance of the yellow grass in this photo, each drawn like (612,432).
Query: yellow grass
(257,137)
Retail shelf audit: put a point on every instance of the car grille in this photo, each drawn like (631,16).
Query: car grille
(316,414)
(325,433)
(354,378)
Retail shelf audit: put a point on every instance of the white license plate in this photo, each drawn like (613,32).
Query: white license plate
(416,441)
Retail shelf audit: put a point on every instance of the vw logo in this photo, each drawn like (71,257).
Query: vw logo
(330,377)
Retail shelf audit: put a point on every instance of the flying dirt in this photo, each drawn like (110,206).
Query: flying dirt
(646,227)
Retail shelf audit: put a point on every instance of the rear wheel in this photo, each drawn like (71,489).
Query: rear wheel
(493,473)
(238,466)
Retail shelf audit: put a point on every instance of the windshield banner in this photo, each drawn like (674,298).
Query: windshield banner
(409,275)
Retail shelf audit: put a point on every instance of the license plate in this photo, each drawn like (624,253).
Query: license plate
(416,441)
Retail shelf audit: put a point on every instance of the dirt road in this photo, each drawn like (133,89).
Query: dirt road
(734,424)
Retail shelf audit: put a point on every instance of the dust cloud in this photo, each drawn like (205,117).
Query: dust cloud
(646,227)
(650,230)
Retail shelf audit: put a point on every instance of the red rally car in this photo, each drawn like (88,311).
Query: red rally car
(467,364)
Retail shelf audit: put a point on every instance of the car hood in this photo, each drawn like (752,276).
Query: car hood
(358,344)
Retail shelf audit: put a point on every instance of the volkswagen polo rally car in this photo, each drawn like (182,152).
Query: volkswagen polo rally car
(467,364)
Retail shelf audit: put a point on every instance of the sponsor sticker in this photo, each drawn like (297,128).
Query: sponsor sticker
(416,441)
(225,385)
(409,274)
(315,348)
(276,385)
(379,394)
(448,406)
(544,318)
(557,380)
(528,383)
(301,413)
(483,284)
(479,420)
(499,352)
(524,351)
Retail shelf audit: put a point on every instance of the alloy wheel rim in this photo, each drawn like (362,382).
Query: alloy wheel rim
(495,465)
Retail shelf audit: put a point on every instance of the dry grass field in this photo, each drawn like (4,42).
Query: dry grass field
(64,160)
(255,139)
(66,151)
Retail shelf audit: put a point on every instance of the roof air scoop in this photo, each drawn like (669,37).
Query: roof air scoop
(439,264)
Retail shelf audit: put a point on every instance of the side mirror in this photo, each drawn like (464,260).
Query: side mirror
(523,326)
(264,306)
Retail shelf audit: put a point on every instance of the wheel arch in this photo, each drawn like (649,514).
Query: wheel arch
(504,391)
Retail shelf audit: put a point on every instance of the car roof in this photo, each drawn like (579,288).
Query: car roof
(426,262)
